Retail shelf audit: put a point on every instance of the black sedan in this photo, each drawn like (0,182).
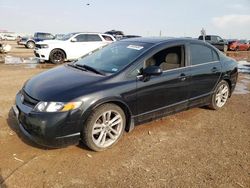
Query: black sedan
(122,85)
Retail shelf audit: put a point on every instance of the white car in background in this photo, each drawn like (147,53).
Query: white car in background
(71,47)
(9,37)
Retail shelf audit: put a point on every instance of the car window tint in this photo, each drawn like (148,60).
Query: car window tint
(167,59)
(49,36)
(81,38)
(41,35)
(214,39)
(200,54)
(93,38)
(219,39)
(107,38)
(207,37)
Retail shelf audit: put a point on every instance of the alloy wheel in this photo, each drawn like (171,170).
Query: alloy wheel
(107,128)
(58,56)
(222,95)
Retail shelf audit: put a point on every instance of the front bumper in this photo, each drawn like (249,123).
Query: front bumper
(48,129)
(42,54)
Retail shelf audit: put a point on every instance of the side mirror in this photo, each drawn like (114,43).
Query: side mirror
(74,40)
(152,71)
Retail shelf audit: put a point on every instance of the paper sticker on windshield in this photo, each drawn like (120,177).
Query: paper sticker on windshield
(114,69)
(135,47)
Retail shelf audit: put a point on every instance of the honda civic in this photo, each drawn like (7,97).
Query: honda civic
(130,82)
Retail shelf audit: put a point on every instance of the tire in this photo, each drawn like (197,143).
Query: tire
(57,56)
(220,96)
(104,127)
(30,45)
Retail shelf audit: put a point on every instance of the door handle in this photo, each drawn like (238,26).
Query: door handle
(214,69)
(182,77)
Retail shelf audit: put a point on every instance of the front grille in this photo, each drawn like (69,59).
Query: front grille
(36,54)
(27,100)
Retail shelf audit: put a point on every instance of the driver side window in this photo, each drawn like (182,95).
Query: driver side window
(167,59)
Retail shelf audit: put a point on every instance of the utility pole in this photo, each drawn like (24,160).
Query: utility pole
(203,33)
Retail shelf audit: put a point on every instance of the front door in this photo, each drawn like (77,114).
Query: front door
(159,95)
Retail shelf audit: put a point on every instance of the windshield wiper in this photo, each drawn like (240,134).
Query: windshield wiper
(77,67)
(86,67)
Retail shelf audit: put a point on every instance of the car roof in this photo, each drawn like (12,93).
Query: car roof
(210,35)
(74,33)
(158,40)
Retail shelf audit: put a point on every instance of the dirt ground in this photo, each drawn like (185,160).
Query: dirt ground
(195,148)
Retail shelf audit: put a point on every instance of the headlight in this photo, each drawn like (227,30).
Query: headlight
(56,106)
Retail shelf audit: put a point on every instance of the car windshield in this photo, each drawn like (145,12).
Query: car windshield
(67,36)
(114,57)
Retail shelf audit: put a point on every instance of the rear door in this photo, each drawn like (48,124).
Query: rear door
(205,69)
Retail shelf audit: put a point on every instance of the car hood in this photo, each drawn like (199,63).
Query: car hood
(61,84)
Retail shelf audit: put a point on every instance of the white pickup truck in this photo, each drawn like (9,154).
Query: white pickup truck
(71,47)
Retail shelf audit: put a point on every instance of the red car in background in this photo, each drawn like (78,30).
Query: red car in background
(238,45)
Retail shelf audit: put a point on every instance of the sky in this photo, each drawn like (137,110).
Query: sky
(175,18)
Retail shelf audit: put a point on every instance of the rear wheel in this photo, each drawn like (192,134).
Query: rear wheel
(220,95)
(57,56)
(104,127)
(30,45)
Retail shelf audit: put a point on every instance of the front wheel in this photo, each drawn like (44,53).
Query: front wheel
(104,127)
(30,45)
(220,95)
(57,56)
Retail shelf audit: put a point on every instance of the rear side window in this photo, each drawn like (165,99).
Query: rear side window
(215,39)
(41,35)
(107,38)
(93,38)
(49,36)
(81,38)
(88,38)
(207,37)
(202,54)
